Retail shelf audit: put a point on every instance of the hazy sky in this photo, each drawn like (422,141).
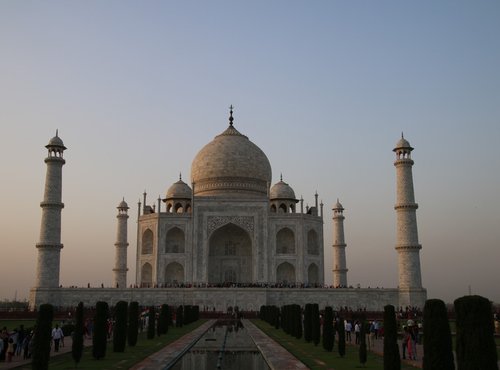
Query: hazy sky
(324,88)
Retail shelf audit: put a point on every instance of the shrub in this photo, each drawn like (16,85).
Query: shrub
(68,329)
(179,317)
(328,332)
(163,319)
(100,336)
(133,324)
(308,322)
(120,329)
(43,336)
(476,347)
(298,321)
(438,351)
(316,328)
(77,344)
(392,360)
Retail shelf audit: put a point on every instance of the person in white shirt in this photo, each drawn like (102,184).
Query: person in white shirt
(57,335)
(348,329)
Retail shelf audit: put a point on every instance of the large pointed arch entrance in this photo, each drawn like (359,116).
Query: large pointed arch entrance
(230,256)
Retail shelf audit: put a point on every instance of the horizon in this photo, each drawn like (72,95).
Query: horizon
(324,89)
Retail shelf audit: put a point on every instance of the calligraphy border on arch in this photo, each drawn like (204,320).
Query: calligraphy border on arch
(245,222)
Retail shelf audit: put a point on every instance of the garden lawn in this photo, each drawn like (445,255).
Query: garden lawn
(16,324)
(125,360)
(315,357)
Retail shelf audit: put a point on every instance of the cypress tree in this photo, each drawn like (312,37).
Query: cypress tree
(298,321)
(179,317)
(120,329)
(151,322)
(163,320)
(316,327)
(133,324)
(288,320)
(392,361)
(362,344)
(308,322)
(43,336)
(341,332)
(77,344)
(438,351)
(328,329)
(476,347)
(187,315)
(276,317)
(100,335)
(284,319)
(170,321)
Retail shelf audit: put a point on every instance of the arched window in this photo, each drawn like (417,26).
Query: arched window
(175,241)
(312,243)
(230,248)
(285,273)
(285,241)
(273,208)
(174,273)
(313,274)
(230,275)
(147,275)
(282,208)
(147,242)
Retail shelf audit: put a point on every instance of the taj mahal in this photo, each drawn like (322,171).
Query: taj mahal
(230,238)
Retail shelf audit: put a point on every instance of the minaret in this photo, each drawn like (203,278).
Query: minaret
(49,247)
(339,261)
(120,270)
(410,280)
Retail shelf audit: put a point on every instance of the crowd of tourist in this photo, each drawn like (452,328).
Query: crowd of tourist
(17,342)
(280,285)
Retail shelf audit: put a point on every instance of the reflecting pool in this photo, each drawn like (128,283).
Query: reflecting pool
(226,345)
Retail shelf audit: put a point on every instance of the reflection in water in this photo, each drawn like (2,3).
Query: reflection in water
(226,345)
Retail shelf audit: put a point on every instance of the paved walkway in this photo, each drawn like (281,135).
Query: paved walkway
(19,361)
(378,348)
(275,355)
(173,351)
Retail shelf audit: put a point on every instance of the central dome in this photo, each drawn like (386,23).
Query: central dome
(231,165)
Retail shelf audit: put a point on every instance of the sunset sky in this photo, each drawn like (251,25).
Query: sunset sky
(324,88)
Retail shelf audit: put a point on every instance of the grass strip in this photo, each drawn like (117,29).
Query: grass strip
(315,357)
(124,360)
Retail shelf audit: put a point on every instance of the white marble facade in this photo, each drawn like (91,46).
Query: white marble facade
(230,229)
(233,228)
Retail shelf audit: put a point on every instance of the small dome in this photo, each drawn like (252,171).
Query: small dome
(403,144)
(338,205)
(55,141)
(282,190)
(180,190)
(123,204)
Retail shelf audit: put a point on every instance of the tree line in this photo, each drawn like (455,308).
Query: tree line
(475,344)
(125,330)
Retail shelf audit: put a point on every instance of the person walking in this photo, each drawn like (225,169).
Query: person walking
(348,329)
(357,331)
(10,350)
(57,335)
